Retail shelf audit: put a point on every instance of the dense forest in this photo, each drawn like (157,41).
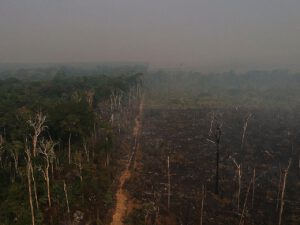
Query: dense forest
(60,133)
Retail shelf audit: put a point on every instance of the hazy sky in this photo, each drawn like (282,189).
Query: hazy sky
(203,33)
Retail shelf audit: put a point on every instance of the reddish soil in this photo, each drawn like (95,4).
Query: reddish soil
(123,204)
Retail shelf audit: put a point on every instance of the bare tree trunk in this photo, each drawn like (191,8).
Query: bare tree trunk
(217,170)
(239,188)
(52,171)
(112,119)
(80,171)
(78,163)
(244,131)
(38,126)
(217,135)
(169,183)
(47,150)
(202,205)
(211,124)
(279,189)
(30,193)
(94,141)
(69,148)
(29,173)
(48,187)
(245,203)
(34,144)
(299,164)
(285,173)
(34,187)
(87,152)
(107,159)
(15,156)
(66,196)
(253,187)
(1,160)
(239,177)
(215,129)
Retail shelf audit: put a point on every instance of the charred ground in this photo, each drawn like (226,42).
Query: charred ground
(180,130)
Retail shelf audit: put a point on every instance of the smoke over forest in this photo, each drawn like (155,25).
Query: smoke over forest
(162,112)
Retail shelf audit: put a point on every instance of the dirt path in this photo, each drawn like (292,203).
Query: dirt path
(121,196)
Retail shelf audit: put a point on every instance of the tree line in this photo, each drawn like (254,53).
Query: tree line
(58,137)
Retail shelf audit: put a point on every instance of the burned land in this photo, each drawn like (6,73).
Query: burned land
(258,180)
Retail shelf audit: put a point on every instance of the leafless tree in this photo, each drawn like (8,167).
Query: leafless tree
(245,203)
(217,135)
(38,125)
(216,132)
(239,178)
(15,155)
(107,161)
(86,151)
(34,186)
(78,163)
(253,187)
(28,173)
(69,147)
(66,196)
(285,173)
(169,182)
(211,124)
(47,151)
(244,131)
(203,195)
(1,150)
(279,188)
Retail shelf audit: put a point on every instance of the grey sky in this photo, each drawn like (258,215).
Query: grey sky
(236,33)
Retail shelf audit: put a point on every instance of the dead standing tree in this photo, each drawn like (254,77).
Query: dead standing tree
(28,173)
(211,124)
(217,135)
(78,160)
(69,148)
(47,151)
(15,155)
(245,204)
(115,104)
(203,195)
(169,183)
(1,150)
(34,186)
(86,151)
(38,127)
(244,131)
(253,187)
(216,132)
(285,173)
(239,178)
(67,199)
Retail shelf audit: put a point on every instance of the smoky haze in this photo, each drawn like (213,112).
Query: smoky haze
(235,34)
